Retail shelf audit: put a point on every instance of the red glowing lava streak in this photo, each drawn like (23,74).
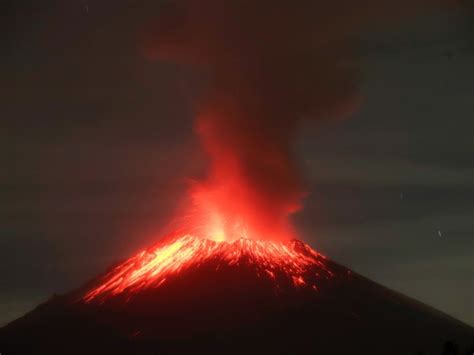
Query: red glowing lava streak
(152,267)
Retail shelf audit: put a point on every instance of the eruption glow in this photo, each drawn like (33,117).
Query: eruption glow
(289,261)
(268,65)
(262,79)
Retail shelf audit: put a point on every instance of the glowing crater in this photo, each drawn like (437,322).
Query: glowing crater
(152,267)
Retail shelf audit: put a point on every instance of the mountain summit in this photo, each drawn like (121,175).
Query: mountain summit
(281,263)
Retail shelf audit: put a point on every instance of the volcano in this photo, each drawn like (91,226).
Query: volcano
(189,295)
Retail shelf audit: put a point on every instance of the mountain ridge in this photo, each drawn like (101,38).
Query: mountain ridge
(237,306)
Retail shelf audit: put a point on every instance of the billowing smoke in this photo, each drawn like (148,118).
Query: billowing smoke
(270,65)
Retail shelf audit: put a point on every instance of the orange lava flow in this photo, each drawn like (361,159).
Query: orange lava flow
(152,267)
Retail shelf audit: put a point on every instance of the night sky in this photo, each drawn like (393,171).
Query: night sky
(97,142)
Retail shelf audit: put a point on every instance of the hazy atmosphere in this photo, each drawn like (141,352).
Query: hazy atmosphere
(97,145)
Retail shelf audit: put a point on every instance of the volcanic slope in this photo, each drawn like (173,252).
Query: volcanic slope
(191,295)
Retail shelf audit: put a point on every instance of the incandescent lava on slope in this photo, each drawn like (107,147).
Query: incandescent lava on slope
(291,262)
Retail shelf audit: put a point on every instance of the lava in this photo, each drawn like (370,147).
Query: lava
(152,267)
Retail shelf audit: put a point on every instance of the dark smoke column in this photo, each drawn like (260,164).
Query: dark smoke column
(269,63)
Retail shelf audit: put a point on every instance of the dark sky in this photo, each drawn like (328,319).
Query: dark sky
(97,141)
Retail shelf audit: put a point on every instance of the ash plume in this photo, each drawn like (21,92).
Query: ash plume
(270,65)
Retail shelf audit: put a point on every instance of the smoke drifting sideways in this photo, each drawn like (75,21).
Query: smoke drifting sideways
(270,65)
